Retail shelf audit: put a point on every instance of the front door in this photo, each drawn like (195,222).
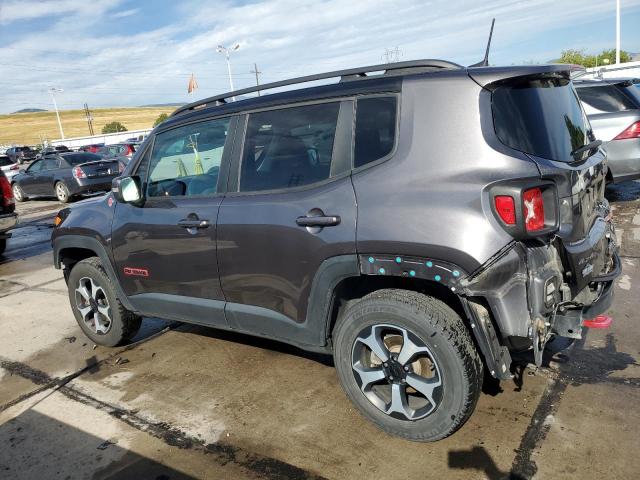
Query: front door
(293,208)
(165,249)
(30,182)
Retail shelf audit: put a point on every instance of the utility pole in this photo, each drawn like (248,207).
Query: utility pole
(391,55)
(87,114)
(53,92)
(226,52)
(617,31)
(257,72)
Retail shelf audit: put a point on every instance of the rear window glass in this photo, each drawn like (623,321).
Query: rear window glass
(606,98)
(78,158)
(375,129)
(540,116)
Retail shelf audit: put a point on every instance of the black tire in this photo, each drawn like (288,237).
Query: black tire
(3,245)
(123,325)
(442,331)
(62,192)
(18,193)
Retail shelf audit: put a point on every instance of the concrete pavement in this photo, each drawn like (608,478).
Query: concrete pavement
(189,402)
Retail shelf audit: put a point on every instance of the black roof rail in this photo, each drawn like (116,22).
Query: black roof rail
(349,74)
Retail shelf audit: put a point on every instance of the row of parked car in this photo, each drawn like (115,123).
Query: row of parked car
(63,173)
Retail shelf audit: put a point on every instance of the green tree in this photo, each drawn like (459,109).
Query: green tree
(114,127)
(161,118)
(579,57)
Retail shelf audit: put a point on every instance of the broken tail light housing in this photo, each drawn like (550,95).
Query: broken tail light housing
(632,131)
(78,173)
(525,208)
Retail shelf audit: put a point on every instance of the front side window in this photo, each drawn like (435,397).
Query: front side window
(185,161)
(35,166)
(375,129)
(289,147)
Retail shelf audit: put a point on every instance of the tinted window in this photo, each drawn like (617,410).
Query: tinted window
(5,162)
(35,166)
(375,129)
(186,160)
(23,149)
(78,158)
(606,98)
(51,164)
(289,147)
(540,116)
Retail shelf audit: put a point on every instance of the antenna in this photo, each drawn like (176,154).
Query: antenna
(485,60)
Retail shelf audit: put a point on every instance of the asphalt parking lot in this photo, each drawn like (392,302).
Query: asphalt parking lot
(188,402)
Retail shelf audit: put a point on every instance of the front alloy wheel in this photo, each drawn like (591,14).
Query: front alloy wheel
(93,306)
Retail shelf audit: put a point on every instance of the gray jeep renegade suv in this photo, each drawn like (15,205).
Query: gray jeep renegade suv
(420,224)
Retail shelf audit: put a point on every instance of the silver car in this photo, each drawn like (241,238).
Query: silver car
(9,167)
(613,108)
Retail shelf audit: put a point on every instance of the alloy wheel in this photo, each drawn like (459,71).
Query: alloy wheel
(92,303)
(61,192)
(396,372)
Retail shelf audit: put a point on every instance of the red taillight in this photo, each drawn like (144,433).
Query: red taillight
(78,173)
(506,208)
(632,131)
(533,209)
(7,193)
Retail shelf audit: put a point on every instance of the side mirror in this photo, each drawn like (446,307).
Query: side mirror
(127,189)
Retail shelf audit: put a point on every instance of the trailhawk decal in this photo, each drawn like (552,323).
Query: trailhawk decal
(136,272)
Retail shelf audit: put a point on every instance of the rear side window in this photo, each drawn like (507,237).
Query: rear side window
(185,161)
(606,98)
(375,129)
(540,116)
(289,147)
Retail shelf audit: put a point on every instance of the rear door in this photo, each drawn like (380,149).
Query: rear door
(165,248)
(290,206)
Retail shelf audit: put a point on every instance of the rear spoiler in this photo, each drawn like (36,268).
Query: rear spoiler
(483,76)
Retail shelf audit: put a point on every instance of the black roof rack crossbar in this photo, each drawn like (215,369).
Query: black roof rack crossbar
(347,74)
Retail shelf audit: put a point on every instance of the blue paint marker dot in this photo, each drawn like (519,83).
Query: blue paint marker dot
(438,278)
(456,273)
(398,260)
(412,273)
(429,264)
(371,259)
(381,271)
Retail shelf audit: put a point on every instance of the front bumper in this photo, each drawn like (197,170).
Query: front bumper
(7,222)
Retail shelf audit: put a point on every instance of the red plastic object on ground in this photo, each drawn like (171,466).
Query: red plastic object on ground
(601,321)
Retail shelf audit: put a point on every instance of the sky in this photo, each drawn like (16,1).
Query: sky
(130,53)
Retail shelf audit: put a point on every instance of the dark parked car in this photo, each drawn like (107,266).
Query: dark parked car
(93,148)
(8,216)
(21,154)
(613,108)
(65,175)
(117,150)
(53,151)
(420,225)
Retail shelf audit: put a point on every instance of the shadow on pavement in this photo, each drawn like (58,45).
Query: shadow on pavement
(477,458)
(37,446)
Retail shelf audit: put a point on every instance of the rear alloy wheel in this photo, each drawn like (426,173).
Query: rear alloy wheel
(96,306)
(18,193)
(62,192)
(408,363)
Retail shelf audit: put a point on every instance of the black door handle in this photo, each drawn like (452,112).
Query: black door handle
(191,223)
(323,221)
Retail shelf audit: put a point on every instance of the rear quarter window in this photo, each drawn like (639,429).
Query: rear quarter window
(606,98)
(375,129)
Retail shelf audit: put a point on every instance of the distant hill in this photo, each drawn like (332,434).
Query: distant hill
(29,110)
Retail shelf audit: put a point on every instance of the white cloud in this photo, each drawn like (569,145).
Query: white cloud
(285,37)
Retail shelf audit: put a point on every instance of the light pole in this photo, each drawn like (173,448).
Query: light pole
(617,32)
(226,51)
(53,91)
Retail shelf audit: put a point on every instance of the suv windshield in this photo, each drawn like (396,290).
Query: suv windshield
(541,116)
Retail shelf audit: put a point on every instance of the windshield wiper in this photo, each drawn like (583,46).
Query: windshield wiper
(577,153)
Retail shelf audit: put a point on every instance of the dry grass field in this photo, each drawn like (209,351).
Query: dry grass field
(32,128)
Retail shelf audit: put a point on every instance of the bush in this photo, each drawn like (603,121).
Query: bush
(114,127)
(161,118)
